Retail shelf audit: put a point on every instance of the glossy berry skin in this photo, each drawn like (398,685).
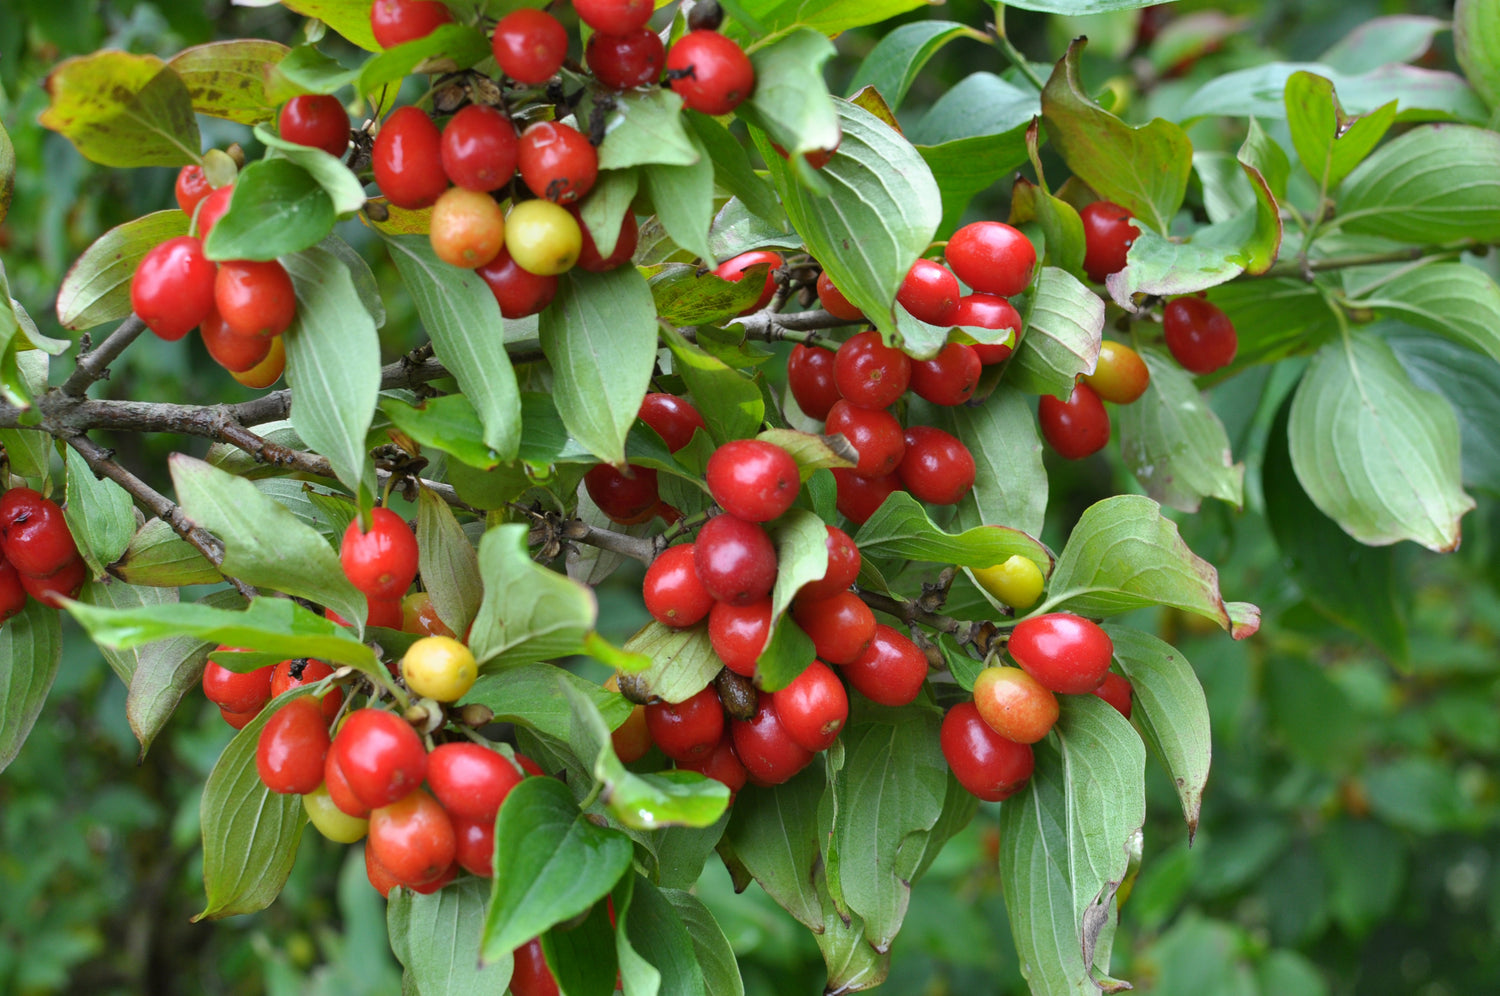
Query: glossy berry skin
(408,159)
(1116,691)
(950,377)
(246,692)
(65,582)
(331,821)
(531,976)
(843,568)
(840,627)
(33,533)
(213,208)
(301,671)
(834,302)
(381,880)
(396,21)
(870,374)
(930,292)
(874,433)
(937,467)
(1108,234)
(543,237)
(738,633)
(626,242)
(1017,581)
(439,667)
(384,612)
(479,148)
(1014,704)
(1075,428)
(621,62)
(470,780)
(1199,334)
(292,747)
(674,595)
(530,45)
(710,72)
(413,838)
(254,298)
(269,370)
(764,747)
(474,846)
(733,270)
(420,616)
(632,739)
(518,292)
(173,287)
(614,17)
(237,720)
(674,419)
(232,351)
(989,766)
(12,595)
(752,479)
(735,560)
(1064,652)
(1121,375)
(339,791)
(721,764)
(381,756)
(315,120)
(624,499)
(467,228)
(986,311)
(891,670)
(992,258)
(557,162)
(813,708)
(191,187)
(686,731)
(858,497)
(809,375)
(382,562)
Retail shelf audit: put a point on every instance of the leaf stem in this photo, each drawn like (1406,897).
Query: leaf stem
(1013,54)
(94,364)
(1304,269)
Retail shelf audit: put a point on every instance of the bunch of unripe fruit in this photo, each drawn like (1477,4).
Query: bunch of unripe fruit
(40,559)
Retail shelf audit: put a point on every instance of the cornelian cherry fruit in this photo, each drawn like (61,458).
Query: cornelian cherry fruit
(937,467)
(530,975)
(413,838)
(237,691)
(1121,375)
(988,765)
(51,589)
(752,479)
(809,376)
(292,747)
(674,595)
(858,497)
(624,61)
(674,419)
(710,72)
(891,670)
(382,562)
(467,229)
(834,302)
(530,45)
(950,377)
(381,756)
(191,187)
(875,435)
(735,559)
(474,846)
(840,626)
(315,120)
(626,500)
(870,374)
(687,730)
(519,292)
(232,351)
(734,269)
(408,159)
(986,311)
(992,258)
(396,21)
(721,764)
(479,147)
(614,17)
(557,162)
(1075,428)
(1108,234)
(843,568)
(1014,704)
(254,298)
(764,747)
(12,594)
(738,633)
(470,780)
(301,671)
(813,708)
(1116,691)
(212,208)
(930,292)
(589,257)
(1199,334)
(1064,652)
(173,287)
(34,535)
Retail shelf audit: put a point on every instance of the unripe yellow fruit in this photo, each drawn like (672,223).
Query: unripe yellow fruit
(1018,582)
(439,667)
(542,237)
(331,821)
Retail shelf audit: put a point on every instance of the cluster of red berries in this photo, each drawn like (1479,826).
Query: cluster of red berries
(40,560)
(382,563)
(629,497)
(987,742)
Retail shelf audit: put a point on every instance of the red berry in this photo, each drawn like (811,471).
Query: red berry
(474,846)
(735,560)
(734,269)
(870,374)
(33,533)
(381,756)
(813,708)
(246,692)
(986,311)
(530,45)
(232,351)
(687,730)
(192,186)
(624,61)
(752,479)
(531,976)
(479,147)
(12,594)
(809,375)
(338,788)
(467,228)
(408,159)
(65,582)
(470,780)
(937,467)
(875,435)
(710,72)
(292,747)
(315,120)
(238,720)
(1064,652)
(1014,704)
(1199,334)
(632,739)
(413,838)
(984,762)
(674,595)
(858,497)
(738,633)
(1116,691)
(626,500)
(674,419)
(721,764)
(518,291)
(840,626)
(1121,375)
(834,302)
(614,17)
(843,568)
(891,670)
(382,880)
(1077,427)
(173,287)
(1107,237)
(213,208)
(764,747)
(301,671)
(557,162)
(930,292)
(992,258)
(384,612)
(254,298)
(950,377)
(396,21)
(625,244)
(382,562)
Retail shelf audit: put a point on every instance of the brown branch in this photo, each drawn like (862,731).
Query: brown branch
(1304,269)
(642,548)
(94,364)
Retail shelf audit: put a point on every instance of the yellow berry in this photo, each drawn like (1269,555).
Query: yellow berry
(542,238)
(439,667)
(331,821)
(1018,582)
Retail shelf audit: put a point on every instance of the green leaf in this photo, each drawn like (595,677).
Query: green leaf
(1420,794)
(691,295)
(350,18)
(758,21)
(1383,40)
(528,695)
(1422,94)
(445,49)
(892,65)
(773,833)
(463,319)
(644,127)
(603,211)
(1476,42)
(1079,7)
(1010,483)
(730,402)
(1064,845)
(450,567)
(791,102)
(732,170)
(1366,864)
(277,208)
(901,528)
(250,834)
(1143,169)
(683,662)
(1375,453)
(716,960)
(1062,228)
(1457,301)
(600,337)
(7,172)
(96,288)
(120,109)
(528,613)
(1329,142)
(811,452)
(581,957)
(447,423)
(657,937)
(304,69)
(158,557)
(99,513)
(30,652)
(972,136)
(436,938)
(1274,318)
(1472,388)
(684,200)
(554,864)
(227,79)
(1064,325)
(1173,442)
(336,179)
(1434,184)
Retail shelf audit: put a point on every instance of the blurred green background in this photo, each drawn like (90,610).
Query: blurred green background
(1350,840)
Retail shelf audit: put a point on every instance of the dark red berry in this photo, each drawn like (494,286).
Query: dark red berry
(173,287)
(65,582)
(614,17)
(396,21)
(870,374)
(408,159)
(1077,427)
(834,302)
(752,479)
(557,162)
(809,375)
(721,764)
(237,692)
(1064,652)
(255,298)
(470,780)
(479,148)
(710,72)
(530,45)
(1108,234)
(33,533)
(984,762)
(875,435)
(674,595)
(930,292)
(1199,334)
(315,120)
(292,747)
(735,559)
(381,756)
(192,186)
(624,61)
(992,258)
(764,747)
(674,419)
(937,467)
(950,377)
(687,731)
(518,291)
(212,208)
(734,269)
(813,708)
(858,497)
(840,626)
(843,568)
(738,633)
(986,311)
(1116,691)
(382,562)
(625,244)
(12,594)
(891,670)
(626,500)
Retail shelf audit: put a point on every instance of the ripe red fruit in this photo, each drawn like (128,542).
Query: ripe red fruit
(1077,427)
(557,162)
(237,720)
(813,708)
(843,568)
(687,730)
(232,351)
(735,559)
(173,287)
(614,17)
(983,761)
(858,497)
(12,595)
(891,670)
(382,880)
(710,72)
(1121,375)
(674,595)
(1107,237)
(413,838)
(626,500)
(292,747)
(254,298)
(301,671)
(1199,334)
(315,120)
(734,269)
(384,612)
(1116,691)
(382,562)
(381,756)
(870,374)
(33,533)
(191,187)
(65,582)
(764,747)
(479,147)
(213,208)
(408,159)
(246,692)
(873,432)
(470,780)
(809,375)
(937,467)
(530,45)
(674,419)
(840,627)
(721,764)
(950,377)
(518,291)
(338,788)
(1014,704)
(986,311)
(930,292)
(738,633)
(531,976)
(396,21)
(467,228)
(625,244)
(834,302)
(1064,652)
(474,846)
(992,258)
(624,61)
(752,479)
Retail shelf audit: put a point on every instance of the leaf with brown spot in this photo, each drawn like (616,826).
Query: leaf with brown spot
(120,109)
